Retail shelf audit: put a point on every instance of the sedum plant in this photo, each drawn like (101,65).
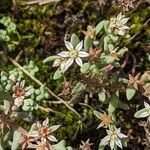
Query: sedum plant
(102,53)
(95,65)
(113,138)
(99,72)
(9,34)
(145,112)
(40,134)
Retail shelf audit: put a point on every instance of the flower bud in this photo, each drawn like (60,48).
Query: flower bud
(57,62)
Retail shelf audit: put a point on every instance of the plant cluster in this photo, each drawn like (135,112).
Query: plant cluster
(85,70)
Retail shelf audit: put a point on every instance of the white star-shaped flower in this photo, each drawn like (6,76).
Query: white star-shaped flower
(118,24)
(113,138)
(73,54)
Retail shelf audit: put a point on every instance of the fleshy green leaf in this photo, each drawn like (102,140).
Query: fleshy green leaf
(1,147)
(106,40)
(6,106)
(51,58)
(69,148)
(87,43)
(98,114)
(101,147)
(57,74)
(99,27)
(39,97)
(79,87)
(108,59)
(113,104)
(123,105)
(130,92)
(85,67)
(25,107)
(142,113)
(16,139)
(106,25)
(114,37)
(7,136)
(74,40)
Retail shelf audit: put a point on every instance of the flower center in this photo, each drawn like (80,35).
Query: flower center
(73,54)
(118,24)
(19,91)
(114,136)
(43,131)
(106,119)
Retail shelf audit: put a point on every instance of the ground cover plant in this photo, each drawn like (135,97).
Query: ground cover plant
(74,75)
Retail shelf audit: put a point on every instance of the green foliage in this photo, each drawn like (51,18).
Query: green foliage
(57,74)
(85,68)
(79,87)
(99,27)
(16,138)
(130,92)
(96,80)
(50,58)
(87,43)
(74,40)
(9,34)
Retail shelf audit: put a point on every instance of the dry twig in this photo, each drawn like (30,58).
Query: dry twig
(40,84)
(38,2)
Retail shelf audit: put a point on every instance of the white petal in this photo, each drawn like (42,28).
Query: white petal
(55,127)
(146,105)
(18,101)
(78,61)
(79,46)
(121,32)
(83,54)
(39,125)
(22,83)
(124,20)
(124,27)
(66,64)
(118,143)
(29,92)
(120,135)
(33,127)
(52,138)
(32,146)
(46,122)
(43,140)
(14,88)
(17,84)
(100,125)
(63,54)
(105,140)
(56,62)
(62,66)
(118,130)
(112,144)
(108,132)
(119,16)
(12,77)
(68,45)
(33,134)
